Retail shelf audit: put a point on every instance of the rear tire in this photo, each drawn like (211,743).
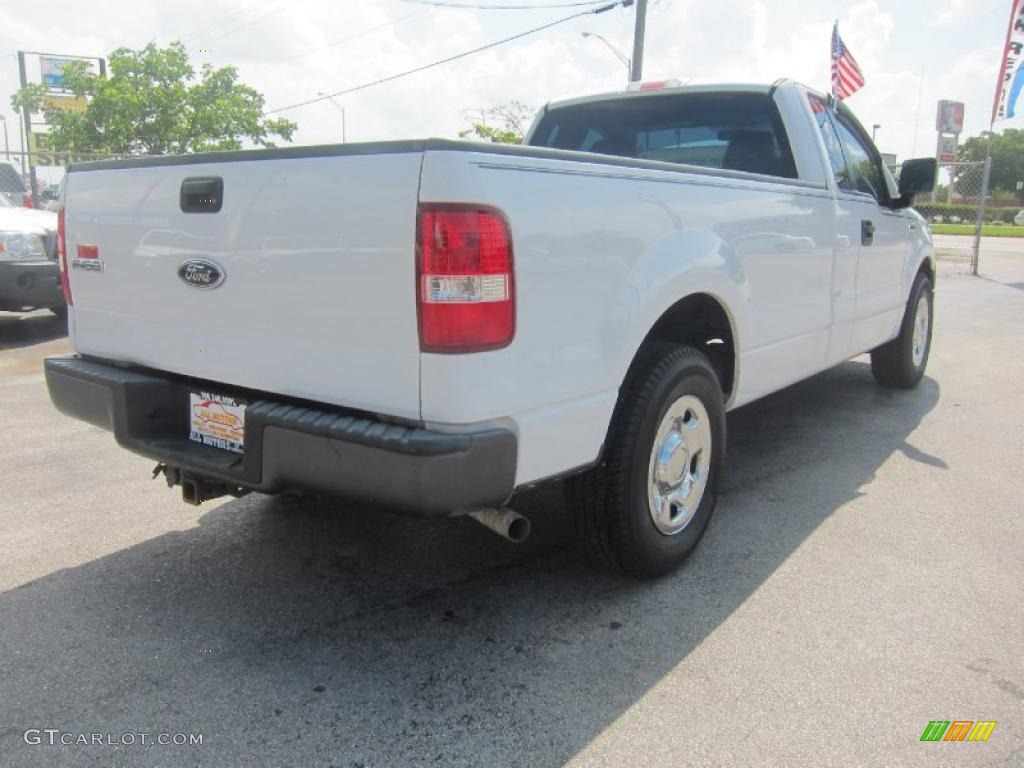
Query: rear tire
(900,364)
(644,508)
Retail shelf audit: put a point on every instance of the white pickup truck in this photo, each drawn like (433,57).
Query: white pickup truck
(431,325)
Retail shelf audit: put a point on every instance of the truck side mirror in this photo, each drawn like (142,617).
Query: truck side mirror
(916,177)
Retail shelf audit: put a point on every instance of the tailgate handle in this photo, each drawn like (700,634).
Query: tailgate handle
(202,194)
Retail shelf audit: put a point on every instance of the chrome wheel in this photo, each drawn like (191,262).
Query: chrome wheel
(678,469)
(919,342)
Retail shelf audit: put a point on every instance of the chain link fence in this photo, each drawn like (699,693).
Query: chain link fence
(17,169)
(957,212)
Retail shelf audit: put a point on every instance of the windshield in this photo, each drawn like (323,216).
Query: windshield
(735,131)
(5,201)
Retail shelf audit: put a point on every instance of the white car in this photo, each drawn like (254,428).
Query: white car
(29,275)
(450,322)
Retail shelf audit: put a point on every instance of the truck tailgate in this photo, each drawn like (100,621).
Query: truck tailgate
(318,258)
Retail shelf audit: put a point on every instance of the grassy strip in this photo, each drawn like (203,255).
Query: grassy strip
(968,229)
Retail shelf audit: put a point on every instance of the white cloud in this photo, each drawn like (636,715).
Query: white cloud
(952,11)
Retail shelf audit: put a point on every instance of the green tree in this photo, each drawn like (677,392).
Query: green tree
(501,124)
(1007,162)
(154,102)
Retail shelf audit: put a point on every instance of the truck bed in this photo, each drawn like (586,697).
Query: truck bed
(318,297)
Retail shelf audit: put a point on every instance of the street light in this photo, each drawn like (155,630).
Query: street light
(7,149)
(874,128)
(340,109)
(618,54)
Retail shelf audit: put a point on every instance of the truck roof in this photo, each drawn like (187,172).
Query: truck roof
(665,88)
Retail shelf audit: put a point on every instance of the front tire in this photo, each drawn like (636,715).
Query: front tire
(644,508)
(900,363)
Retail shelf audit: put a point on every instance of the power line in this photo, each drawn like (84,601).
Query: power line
(347,39)
(389,78)
(521,7)
(227,18)
(232,30)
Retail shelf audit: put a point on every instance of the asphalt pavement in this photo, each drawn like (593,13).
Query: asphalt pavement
(863,576)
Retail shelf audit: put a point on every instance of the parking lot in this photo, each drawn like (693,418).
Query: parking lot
(863,576)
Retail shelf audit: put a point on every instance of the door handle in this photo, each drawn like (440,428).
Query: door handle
(867,232)
(202,194)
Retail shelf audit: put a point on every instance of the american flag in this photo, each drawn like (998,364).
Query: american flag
(847,78)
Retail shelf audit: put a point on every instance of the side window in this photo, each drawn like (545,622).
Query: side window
(891,184)
(832,147)
(864,171)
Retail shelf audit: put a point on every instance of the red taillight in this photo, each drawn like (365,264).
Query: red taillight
(62,256)
(466,293)
(26,201)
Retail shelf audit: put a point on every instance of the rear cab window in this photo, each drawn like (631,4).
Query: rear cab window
(732,131)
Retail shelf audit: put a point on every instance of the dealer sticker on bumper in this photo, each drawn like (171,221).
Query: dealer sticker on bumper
(217,421)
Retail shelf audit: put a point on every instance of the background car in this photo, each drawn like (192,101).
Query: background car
(29,272)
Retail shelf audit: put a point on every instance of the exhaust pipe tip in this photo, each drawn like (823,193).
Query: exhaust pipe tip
(518,529)
(508,524)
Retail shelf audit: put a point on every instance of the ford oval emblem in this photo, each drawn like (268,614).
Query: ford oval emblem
(201,273)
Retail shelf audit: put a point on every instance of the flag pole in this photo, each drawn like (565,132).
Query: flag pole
(987,170)
(834,63)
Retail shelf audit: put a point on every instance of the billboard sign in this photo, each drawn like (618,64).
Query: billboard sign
(949,117)
(47,69)
(947,149)
(51,70)
(65,103)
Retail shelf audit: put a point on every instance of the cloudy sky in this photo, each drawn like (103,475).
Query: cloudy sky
(913,52)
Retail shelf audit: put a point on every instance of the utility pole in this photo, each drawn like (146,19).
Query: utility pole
(7,147)
(27,120)
(638,42)
(980,222)
(24,144)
